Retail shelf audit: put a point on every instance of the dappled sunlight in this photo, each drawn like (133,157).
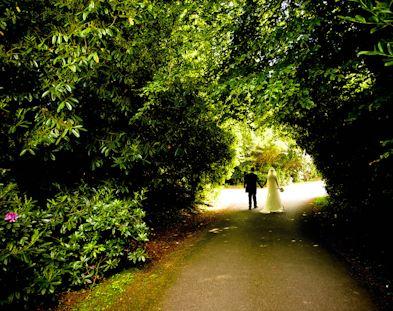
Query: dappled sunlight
(219,230)
(236,198)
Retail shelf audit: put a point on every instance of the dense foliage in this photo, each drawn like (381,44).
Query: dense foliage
(73,241)
(79,101)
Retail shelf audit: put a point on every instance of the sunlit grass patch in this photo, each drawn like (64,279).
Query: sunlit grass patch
(108,292)
(321,202)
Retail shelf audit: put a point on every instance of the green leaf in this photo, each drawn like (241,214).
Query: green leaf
(75,132)
(370,53)
(45,93)
(60,106)
(380,47)
(360,19)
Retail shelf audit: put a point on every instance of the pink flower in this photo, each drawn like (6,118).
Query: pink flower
(11,217)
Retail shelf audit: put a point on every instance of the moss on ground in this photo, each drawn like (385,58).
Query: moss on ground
(104,295)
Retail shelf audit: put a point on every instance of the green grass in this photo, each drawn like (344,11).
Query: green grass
(108,292)
(321,202)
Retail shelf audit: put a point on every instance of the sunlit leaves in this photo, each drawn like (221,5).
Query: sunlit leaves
(378,15)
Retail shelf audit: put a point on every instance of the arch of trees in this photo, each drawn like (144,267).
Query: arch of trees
(114,117)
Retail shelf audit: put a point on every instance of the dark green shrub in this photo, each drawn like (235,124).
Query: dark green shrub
(75,240)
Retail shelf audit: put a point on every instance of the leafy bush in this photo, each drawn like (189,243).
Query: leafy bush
(75,240)
(186,152)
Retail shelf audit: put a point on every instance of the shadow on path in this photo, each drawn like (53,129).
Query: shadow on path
(253,261)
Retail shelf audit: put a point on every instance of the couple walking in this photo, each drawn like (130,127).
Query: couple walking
(273,200)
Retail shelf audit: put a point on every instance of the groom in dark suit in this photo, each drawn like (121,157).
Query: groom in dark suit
(250,183)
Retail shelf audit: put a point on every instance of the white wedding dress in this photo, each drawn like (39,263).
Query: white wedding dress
(273,200)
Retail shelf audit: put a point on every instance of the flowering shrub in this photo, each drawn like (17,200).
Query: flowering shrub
(11,217)
(74,240)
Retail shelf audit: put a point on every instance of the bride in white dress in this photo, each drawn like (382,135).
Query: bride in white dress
(273,200)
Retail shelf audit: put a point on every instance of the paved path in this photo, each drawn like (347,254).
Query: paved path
(253,261)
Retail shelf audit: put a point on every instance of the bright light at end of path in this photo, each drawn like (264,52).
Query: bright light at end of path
(293,195)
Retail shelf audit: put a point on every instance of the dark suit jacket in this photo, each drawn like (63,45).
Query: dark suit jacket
(250,181)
